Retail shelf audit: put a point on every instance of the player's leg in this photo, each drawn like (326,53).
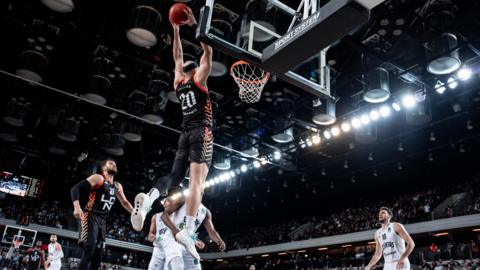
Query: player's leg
(190,263)
(100,245)
(88,240)
(201,149)
(157,262)
(175,263)
(143,202)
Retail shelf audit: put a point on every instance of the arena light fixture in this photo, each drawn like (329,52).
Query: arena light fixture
(440,234)
(323,248)
(365,119)
(277,155)
(452,82)
(408,101)
(309,142)
(243,168)
(440,87)
(316,139)
(327,134)
(396,106)
(301,251)
(356,123)
(263,161)
(265,255)
(374,115)
(476,230)
(371,242)
(345,246)
(345,126)
(216,180)
(232,173)
(385,111)
(464,73)
(282,253)
(302,143)
(335,131)
(256,164)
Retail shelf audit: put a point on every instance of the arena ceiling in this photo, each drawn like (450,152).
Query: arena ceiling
(404,151)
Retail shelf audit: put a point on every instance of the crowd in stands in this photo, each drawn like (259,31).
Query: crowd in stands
(408,208)
(52,214)
(461,256)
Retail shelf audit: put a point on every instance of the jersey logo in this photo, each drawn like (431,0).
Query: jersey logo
(188,100)
(107,204)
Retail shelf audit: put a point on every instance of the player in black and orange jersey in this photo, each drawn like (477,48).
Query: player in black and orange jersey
(102,190)
(195,145)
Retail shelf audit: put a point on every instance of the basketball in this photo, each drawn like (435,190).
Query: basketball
(177,13)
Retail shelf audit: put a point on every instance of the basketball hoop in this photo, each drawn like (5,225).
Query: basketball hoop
(250,80)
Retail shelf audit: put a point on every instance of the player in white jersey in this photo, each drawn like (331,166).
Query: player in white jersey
(167,253)
(175,218)
(390,242)
(55,254)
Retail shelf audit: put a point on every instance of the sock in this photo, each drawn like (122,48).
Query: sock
(190,226)
(153,194)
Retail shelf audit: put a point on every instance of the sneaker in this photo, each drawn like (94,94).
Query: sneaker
(188,241)
(141,208)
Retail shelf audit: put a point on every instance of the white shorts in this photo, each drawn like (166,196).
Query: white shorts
(190,262)
(55,265)
(393,265)
(157,262)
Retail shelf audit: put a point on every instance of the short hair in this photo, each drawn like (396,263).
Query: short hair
(389,211)
(104,162)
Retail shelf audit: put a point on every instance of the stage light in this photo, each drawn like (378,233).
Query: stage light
(335,131)
(452,83)
(263,161)
(256,164)
(440,87)
(396,106)
(374,115)
(385,111)
(277,155)
(316,139)
(365,119)
(327,134)
(232,173)
(309,142)
(345,127)
(356,123)
(464,73)
(216,180)
(243,168)
(302,144)
(408,101)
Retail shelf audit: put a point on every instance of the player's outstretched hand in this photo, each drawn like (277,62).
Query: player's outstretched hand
(190,21)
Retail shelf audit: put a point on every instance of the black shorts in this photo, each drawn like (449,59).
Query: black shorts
(92,230)
(196,144)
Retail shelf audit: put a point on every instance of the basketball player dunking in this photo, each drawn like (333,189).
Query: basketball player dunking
(36,256)
(390,241)
(102,191)
(196,141)
(55,254)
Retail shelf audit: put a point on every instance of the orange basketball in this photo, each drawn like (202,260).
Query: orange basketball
(177,13)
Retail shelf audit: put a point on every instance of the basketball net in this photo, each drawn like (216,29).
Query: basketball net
(250,80)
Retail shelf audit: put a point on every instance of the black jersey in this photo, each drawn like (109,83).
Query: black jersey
(196,104)
(101,198)
(35,258)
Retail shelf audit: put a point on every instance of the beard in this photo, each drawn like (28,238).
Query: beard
(112,171)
